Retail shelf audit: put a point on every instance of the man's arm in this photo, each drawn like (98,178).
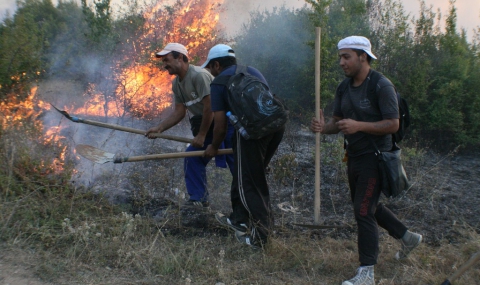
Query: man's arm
(219,133)
(384,127)
(174,118)
(319,125)
(207,119)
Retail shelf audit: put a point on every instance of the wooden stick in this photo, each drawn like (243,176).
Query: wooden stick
(317,135)
(462,269)
(168,155)
(119,128)
(132,130)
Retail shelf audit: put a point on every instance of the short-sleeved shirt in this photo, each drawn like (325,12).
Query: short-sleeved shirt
(192,89)
(219,92)
(367,108)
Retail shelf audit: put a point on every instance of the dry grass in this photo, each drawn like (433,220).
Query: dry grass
(71,236)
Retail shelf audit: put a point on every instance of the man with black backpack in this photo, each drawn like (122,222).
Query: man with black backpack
(260,126)
(366,119)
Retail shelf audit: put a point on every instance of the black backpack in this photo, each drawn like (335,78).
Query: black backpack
(404,120)
(251,101)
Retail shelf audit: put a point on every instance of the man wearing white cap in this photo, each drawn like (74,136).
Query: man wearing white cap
(251,216)
(191,89)
(364,119)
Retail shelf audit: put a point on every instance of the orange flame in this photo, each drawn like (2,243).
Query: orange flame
(17,113)
(143,90)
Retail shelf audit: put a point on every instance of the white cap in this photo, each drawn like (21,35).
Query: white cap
(357,42)
(172,47)
(217,51)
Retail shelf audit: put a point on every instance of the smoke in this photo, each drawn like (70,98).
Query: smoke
(237,12)
(74,68)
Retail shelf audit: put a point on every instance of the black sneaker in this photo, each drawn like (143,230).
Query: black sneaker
(222,219)
(247,239)
(197,204)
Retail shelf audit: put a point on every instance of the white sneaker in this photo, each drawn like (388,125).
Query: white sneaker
(409,242)
(364,277)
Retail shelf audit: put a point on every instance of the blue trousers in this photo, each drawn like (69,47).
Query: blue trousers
(195,167)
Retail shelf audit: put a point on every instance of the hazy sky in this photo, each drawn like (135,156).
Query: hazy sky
(468,11)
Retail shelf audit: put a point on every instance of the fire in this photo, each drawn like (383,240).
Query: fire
(14,111)
(140,88)
(143,90)
(18,114)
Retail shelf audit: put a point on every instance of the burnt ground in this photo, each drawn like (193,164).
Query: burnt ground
(442,203)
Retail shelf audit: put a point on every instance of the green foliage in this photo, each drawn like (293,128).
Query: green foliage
(23,42)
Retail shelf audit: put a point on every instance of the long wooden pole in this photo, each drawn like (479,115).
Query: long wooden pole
(119,128)
(317,135)
(132,130)
(168,155)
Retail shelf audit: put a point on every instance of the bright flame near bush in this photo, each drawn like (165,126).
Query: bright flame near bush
(144,91)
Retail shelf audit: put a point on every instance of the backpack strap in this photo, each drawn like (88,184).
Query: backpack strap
(372,84)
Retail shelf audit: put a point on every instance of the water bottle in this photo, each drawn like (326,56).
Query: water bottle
(236,123)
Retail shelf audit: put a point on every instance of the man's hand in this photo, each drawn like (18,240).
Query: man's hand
(198,141)
(318,125)
(151,131)
(349,126)
(210,151)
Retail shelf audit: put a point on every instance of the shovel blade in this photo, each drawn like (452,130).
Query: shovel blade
(94,154)
(62,112)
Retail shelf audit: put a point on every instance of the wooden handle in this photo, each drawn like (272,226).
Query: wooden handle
(135,131)
(168,155)
(463,268)
(317,135)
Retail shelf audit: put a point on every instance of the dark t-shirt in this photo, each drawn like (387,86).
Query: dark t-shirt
(218,93)
(368,108)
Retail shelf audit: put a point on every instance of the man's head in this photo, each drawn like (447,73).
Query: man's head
(354,52)
(174,57)
(219,57)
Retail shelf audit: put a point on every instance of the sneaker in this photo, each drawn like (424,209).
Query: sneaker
(409,242)
(364,277)
(197,204)
(246,239)
(222,219)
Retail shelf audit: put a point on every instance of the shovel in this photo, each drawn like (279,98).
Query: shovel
(120,128)
(99,156)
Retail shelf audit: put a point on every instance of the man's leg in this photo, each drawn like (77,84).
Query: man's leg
(196,176)
(364,184)
(254,156)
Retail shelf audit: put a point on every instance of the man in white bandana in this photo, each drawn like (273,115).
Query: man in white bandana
(363,118)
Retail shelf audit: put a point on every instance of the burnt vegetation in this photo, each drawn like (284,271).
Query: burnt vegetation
(78,222)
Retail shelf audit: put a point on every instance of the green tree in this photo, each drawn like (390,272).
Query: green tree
(24,40)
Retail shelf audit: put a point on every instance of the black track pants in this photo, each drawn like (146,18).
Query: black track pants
(249,193)
(363,179)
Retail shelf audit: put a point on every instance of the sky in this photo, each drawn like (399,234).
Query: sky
(468,11)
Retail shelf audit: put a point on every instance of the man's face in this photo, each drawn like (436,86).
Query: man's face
(172,65)
(214,68)
(350,62)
